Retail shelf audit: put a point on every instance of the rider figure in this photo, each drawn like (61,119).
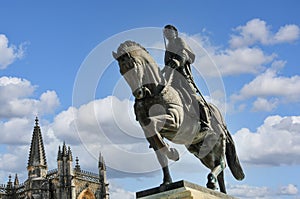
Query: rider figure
(179,56)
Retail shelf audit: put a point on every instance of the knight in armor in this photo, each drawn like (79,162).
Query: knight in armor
(179,56)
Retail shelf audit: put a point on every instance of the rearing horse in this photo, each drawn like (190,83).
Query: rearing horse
(164,111)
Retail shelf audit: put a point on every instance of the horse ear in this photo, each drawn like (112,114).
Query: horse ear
(115,55)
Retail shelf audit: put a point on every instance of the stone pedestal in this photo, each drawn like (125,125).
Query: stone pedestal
(181,190)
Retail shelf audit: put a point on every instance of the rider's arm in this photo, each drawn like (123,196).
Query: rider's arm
(183,52)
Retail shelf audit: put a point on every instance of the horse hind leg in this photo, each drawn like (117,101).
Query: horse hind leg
(217,174)
(221,182)
(217,171)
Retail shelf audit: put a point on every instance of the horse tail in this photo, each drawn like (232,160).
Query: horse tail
(232,158)
(231,155)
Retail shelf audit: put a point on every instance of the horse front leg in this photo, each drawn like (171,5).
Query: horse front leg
(162,158)
(157,143)
(163,161)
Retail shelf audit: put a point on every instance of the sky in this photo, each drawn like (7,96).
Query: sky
(56,63)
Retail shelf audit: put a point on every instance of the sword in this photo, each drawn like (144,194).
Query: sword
(164,69)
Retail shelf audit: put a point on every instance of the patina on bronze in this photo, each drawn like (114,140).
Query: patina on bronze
(169,112)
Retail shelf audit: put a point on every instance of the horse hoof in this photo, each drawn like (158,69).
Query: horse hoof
(173,154)
(211,184)
(164,183)
(163,186)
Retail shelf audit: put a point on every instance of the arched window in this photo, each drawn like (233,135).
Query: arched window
(86,194)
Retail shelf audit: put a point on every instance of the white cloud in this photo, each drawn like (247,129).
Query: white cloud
(121,193)
(290,189)
(269,89)
(109,116)
(270,84)
(16,99)
(13,87)
(287,33)
(247,191)
(262,104)
(241,57)
(14,160)
(242,61)
(48,102)
(215,61)
(276,142)
(63,126)
(117,192)
(257,31)
(8,54)
(15,128)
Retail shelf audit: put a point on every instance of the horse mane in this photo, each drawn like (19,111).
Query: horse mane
(128,47)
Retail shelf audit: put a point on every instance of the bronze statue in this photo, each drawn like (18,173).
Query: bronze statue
(165,112)
(179,56)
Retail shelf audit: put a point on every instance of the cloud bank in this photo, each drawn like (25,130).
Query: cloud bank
(257,31)
(276,142)
(248,191)
(17,101)
(9,53)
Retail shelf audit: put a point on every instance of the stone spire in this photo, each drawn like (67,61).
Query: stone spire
(101,163)
(16,182)
(70,157)
(9,183)
(37,163)
(59,154)
(65,152)
(65,173)
(103,188)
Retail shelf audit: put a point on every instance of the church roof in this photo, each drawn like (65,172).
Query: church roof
(37,156)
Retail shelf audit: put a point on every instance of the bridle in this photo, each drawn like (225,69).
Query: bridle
(143,91)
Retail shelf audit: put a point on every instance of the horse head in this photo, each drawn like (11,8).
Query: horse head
(138,69)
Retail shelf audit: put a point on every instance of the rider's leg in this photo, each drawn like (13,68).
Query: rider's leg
(203,109)
(205,121)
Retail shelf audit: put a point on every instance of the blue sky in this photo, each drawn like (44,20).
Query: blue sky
(46,48)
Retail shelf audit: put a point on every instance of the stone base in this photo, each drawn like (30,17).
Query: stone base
(181,190)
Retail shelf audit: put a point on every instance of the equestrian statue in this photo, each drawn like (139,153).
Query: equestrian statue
(168,105)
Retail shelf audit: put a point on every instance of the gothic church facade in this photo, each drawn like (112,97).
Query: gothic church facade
(65,182)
